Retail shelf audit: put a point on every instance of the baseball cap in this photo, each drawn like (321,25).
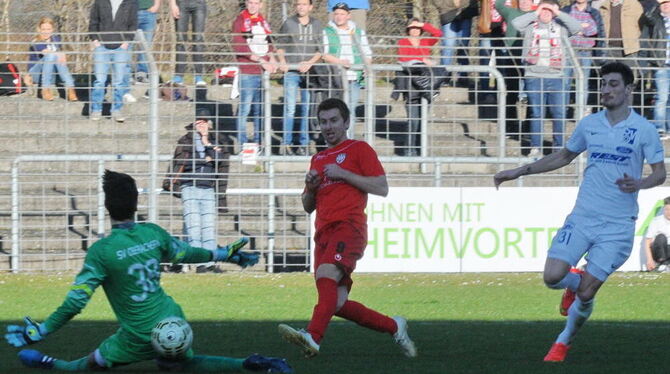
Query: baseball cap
(341,5)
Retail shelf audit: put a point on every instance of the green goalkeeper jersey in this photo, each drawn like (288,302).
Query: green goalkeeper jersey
(127,265)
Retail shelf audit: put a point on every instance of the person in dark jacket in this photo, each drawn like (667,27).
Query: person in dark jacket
(656,52)
(456,20)
(202,166)
(112,27)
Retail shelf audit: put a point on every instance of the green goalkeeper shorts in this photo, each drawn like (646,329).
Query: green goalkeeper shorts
(124,348)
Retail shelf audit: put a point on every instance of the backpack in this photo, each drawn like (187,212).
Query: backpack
(173,92)
(10,80)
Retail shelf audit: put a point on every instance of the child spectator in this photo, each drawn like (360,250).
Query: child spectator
(47,55)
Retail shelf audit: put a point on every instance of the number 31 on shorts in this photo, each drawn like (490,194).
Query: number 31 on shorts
(564,234)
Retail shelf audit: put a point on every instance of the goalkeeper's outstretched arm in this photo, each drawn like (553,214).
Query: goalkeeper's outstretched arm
(182,252)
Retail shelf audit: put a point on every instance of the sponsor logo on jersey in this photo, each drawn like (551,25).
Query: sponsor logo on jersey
(629,135)
(338,257)
(608,157)
(624,150)
(340,158)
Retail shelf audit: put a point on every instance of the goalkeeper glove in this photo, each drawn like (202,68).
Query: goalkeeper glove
(244,259)
(31,333)
(225,252)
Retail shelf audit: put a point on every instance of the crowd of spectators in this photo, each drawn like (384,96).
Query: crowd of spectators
(524,39)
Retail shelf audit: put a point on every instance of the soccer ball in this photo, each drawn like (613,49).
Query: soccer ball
(172,337)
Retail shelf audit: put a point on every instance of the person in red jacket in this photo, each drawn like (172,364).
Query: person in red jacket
(415,47)
(416,50)
(254,52)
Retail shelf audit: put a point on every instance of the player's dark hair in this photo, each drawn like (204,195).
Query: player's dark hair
(666,201)
(621,68)
(120,195)
(334,103)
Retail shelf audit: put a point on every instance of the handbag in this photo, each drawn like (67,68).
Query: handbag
(172,182)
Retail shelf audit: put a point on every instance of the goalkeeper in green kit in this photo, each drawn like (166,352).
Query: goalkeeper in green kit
(127,266)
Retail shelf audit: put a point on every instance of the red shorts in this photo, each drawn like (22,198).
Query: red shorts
(341,244)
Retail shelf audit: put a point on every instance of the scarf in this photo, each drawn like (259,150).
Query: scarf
(250,21)
(546,49)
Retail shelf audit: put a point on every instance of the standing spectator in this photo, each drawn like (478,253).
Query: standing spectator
(414,50)
(337,187)
(585,44)
(656,246)
(255,53)
(193,13)
(456,20)
(656,52)
(47,55)
(345,45)
(202,166)
(359,11)
(147,11)
(112,27)
(511,66)
(299,44)
(545,57)
(621,19)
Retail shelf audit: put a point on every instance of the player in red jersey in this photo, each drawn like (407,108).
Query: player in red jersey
(337,187)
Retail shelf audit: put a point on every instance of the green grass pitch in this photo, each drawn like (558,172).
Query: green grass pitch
(461,323)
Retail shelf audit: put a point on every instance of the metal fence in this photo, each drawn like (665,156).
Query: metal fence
(54,156)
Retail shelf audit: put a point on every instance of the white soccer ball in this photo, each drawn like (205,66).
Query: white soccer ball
(172,337)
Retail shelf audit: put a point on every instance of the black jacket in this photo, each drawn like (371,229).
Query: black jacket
(190,169)
(598,18)
(417,81)
(652,52)
(102,22)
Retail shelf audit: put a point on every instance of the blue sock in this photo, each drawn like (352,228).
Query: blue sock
(571,281)
(578,313)
(198,78)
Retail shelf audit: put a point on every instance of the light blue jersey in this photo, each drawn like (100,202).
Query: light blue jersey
(611,152)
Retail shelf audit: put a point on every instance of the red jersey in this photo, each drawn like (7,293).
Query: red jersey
(338,200)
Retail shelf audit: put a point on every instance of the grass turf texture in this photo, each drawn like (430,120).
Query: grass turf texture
(461,323)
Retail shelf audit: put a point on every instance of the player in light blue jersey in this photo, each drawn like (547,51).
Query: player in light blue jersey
(617,142)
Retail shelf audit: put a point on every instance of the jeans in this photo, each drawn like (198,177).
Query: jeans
(199,214)
(251,102)
(456,34)
(196,10)
(45,68)
(146,21)
(102,59)
(661,110)
(546,93)
(292,82)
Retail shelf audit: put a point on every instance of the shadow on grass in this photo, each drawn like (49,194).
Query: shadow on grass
(444,347)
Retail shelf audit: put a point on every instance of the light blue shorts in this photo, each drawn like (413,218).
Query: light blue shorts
(607,245)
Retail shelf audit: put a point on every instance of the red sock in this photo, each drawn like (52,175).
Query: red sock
(324,309)
(359,313)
